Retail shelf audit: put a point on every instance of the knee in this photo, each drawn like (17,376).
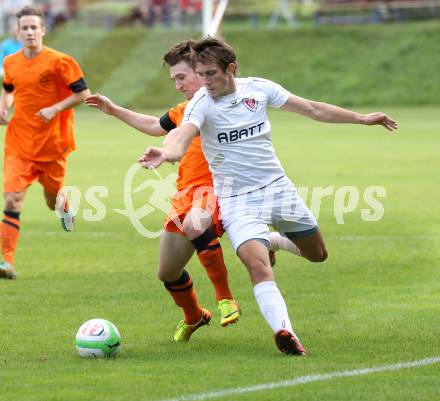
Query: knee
(191,230)
(50,204)
(13,202)
(259,271)
(167,275)
(162,276)
(53,201)
(196,223)
(319,256)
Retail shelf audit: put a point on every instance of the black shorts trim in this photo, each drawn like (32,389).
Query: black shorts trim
(302,234)
(263,241)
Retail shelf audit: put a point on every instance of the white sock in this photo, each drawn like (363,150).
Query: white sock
(272,306)
(277,241)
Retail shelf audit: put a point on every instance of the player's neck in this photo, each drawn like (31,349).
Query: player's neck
(30,53)
(229,87)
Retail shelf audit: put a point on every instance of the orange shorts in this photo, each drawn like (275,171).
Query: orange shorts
(202,197)
(18,174)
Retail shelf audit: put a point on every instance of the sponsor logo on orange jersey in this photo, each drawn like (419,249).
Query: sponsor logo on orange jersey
(46,77)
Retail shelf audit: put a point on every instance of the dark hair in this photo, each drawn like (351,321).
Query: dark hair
(213,51)
(30,11)
(179,52)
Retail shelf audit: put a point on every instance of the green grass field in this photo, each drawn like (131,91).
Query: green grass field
(374,302)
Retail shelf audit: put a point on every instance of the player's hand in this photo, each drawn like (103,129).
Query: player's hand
(100,102)
(47,114)
(4,117)
(380,119)
(152,158)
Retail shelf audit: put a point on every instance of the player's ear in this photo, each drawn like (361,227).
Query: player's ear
(43,25)
(230,69)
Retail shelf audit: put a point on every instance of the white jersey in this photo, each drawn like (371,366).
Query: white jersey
(236,134)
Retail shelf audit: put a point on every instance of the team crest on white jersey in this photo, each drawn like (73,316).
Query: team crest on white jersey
(250,103)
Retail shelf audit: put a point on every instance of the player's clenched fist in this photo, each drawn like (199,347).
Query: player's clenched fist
(47,114)
(152,157)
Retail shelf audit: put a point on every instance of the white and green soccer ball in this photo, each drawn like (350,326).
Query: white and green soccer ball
(98,338)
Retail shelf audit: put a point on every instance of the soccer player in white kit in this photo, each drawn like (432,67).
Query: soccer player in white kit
(231,116)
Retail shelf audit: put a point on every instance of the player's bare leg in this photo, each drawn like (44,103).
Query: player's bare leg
(60,202)
(175,253)
(51,200)
(255,257)
(311,247)
(253,254)
(198,228)
(10,231)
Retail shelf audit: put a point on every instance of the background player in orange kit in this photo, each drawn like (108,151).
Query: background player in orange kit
(43,84)
(193,221)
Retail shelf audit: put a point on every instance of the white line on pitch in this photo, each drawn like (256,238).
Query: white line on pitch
(304,380)
(61,233)
(385,237)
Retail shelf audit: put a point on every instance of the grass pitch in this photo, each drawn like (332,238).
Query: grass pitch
(374,302)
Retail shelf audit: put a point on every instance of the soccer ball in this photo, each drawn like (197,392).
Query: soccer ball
(98,338)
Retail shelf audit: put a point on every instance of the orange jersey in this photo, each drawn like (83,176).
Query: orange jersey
(193,168)
(38,83)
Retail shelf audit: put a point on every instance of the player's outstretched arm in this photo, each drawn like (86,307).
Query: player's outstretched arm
(330,113)
(149,125)
(48,113)
(173,150)
(6,100)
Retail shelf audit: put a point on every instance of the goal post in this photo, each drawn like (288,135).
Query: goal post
(211,20)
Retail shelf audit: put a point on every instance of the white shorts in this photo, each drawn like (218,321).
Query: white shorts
(247,216)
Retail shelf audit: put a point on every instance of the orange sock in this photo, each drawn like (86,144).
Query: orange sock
(185,296)
(210,255)
(214,264)
(10,231)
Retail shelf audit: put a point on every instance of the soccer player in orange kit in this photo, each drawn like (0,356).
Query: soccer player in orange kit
(194,202)
(44,85)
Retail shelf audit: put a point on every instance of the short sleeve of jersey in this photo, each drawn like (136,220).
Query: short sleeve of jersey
(276,95)
(69,69)
(195,112)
